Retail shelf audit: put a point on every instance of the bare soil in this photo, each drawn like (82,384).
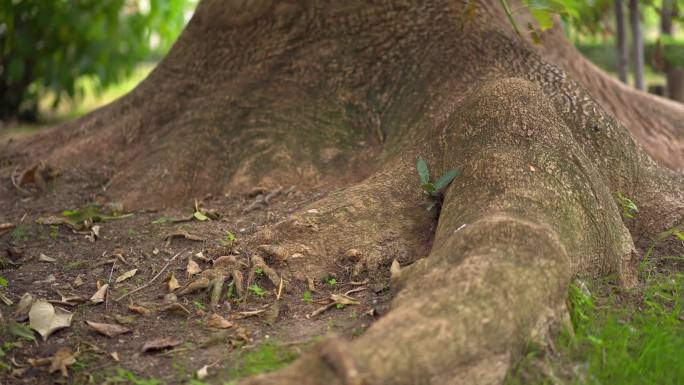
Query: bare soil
(139,243)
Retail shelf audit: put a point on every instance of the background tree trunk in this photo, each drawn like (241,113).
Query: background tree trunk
(621,40)
(637,44)
(674,76)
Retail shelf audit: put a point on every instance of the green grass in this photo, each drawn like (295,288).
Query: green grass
(641,343)
(124,376)
(265,358)
(620,337)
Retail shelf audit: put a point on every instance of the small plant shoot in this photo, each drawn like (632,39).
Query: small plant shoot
(433,189)
(258,291)
(629,208)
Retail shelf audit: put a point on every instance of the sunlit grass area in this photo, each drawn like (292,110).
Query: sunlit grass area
(618,336)
(91,99)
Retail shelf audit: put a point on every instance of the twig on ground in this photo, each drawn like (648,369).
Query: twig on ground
(280,288)
(355,290)
(251,313)
(109,281)
(150,282)
(321,309)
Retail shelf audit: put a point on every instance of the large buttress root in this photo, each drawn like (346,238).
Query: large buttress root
(362,227)
(528,212)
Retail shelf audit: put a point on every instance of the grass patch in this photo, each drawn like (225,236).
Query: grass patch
(637,343)
(621,336)
(264,358)
(124,376)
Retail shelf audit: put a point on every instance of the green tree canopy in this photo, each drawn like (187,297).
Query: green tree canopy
(46,45)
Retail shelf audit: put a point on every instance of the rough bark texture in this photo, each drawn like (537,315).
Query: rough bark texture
(348,94)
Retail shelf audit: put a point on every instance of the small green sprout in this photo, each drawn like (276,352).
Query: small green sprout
(307,297)
(229,240)
(19,234)
(259,271)
(54,231)
(3,281)
(629,208)
(199,305)
(434,189)
(259,292)
(332,281)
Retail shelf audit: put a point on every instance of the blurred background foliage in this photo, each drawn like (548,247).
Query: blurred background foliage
(56,51)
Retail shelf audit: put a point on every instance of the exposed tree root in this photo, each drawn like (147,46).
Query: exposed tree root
(536,210)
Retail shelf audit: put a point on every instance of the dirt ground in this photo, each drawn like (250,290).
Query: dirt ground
(58,263)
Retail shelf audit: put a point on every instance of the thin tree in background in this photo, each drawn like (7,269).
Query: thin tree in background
(621,41)
(637,44)
(674,74)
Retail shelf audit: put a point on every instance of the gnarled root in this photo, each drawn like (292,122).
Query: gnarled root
(528,212)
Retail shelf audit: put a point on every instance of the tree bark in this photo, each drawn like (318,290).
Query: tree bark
(348,94)
(637,44)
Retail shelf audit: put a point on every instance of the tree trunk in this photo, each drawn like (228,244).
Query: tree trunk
(349,94)
(674,76)
(675,83)
(637,44)
(621,39)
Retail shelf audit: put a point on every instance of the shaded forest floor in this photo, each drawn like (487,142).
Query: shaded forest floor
(252,326)
(53,252)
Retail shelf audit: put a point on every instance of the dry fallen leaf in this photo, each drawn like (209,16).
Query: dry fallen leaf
(115,356)
(5,227)
(270,315)
(192,268)
(124,320)
(6,300)
(196,285)
(78,281)
(139,309)
(44,258)
(218,322)
(99,295)
(182,234)
(202,257)
(23,307)
(342,299)
(395,272)
(176,308)
(46,319)
(126,275)
(173,283)
(109,330)
(50,279)
(203,372)
(160,344)
(61,360)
